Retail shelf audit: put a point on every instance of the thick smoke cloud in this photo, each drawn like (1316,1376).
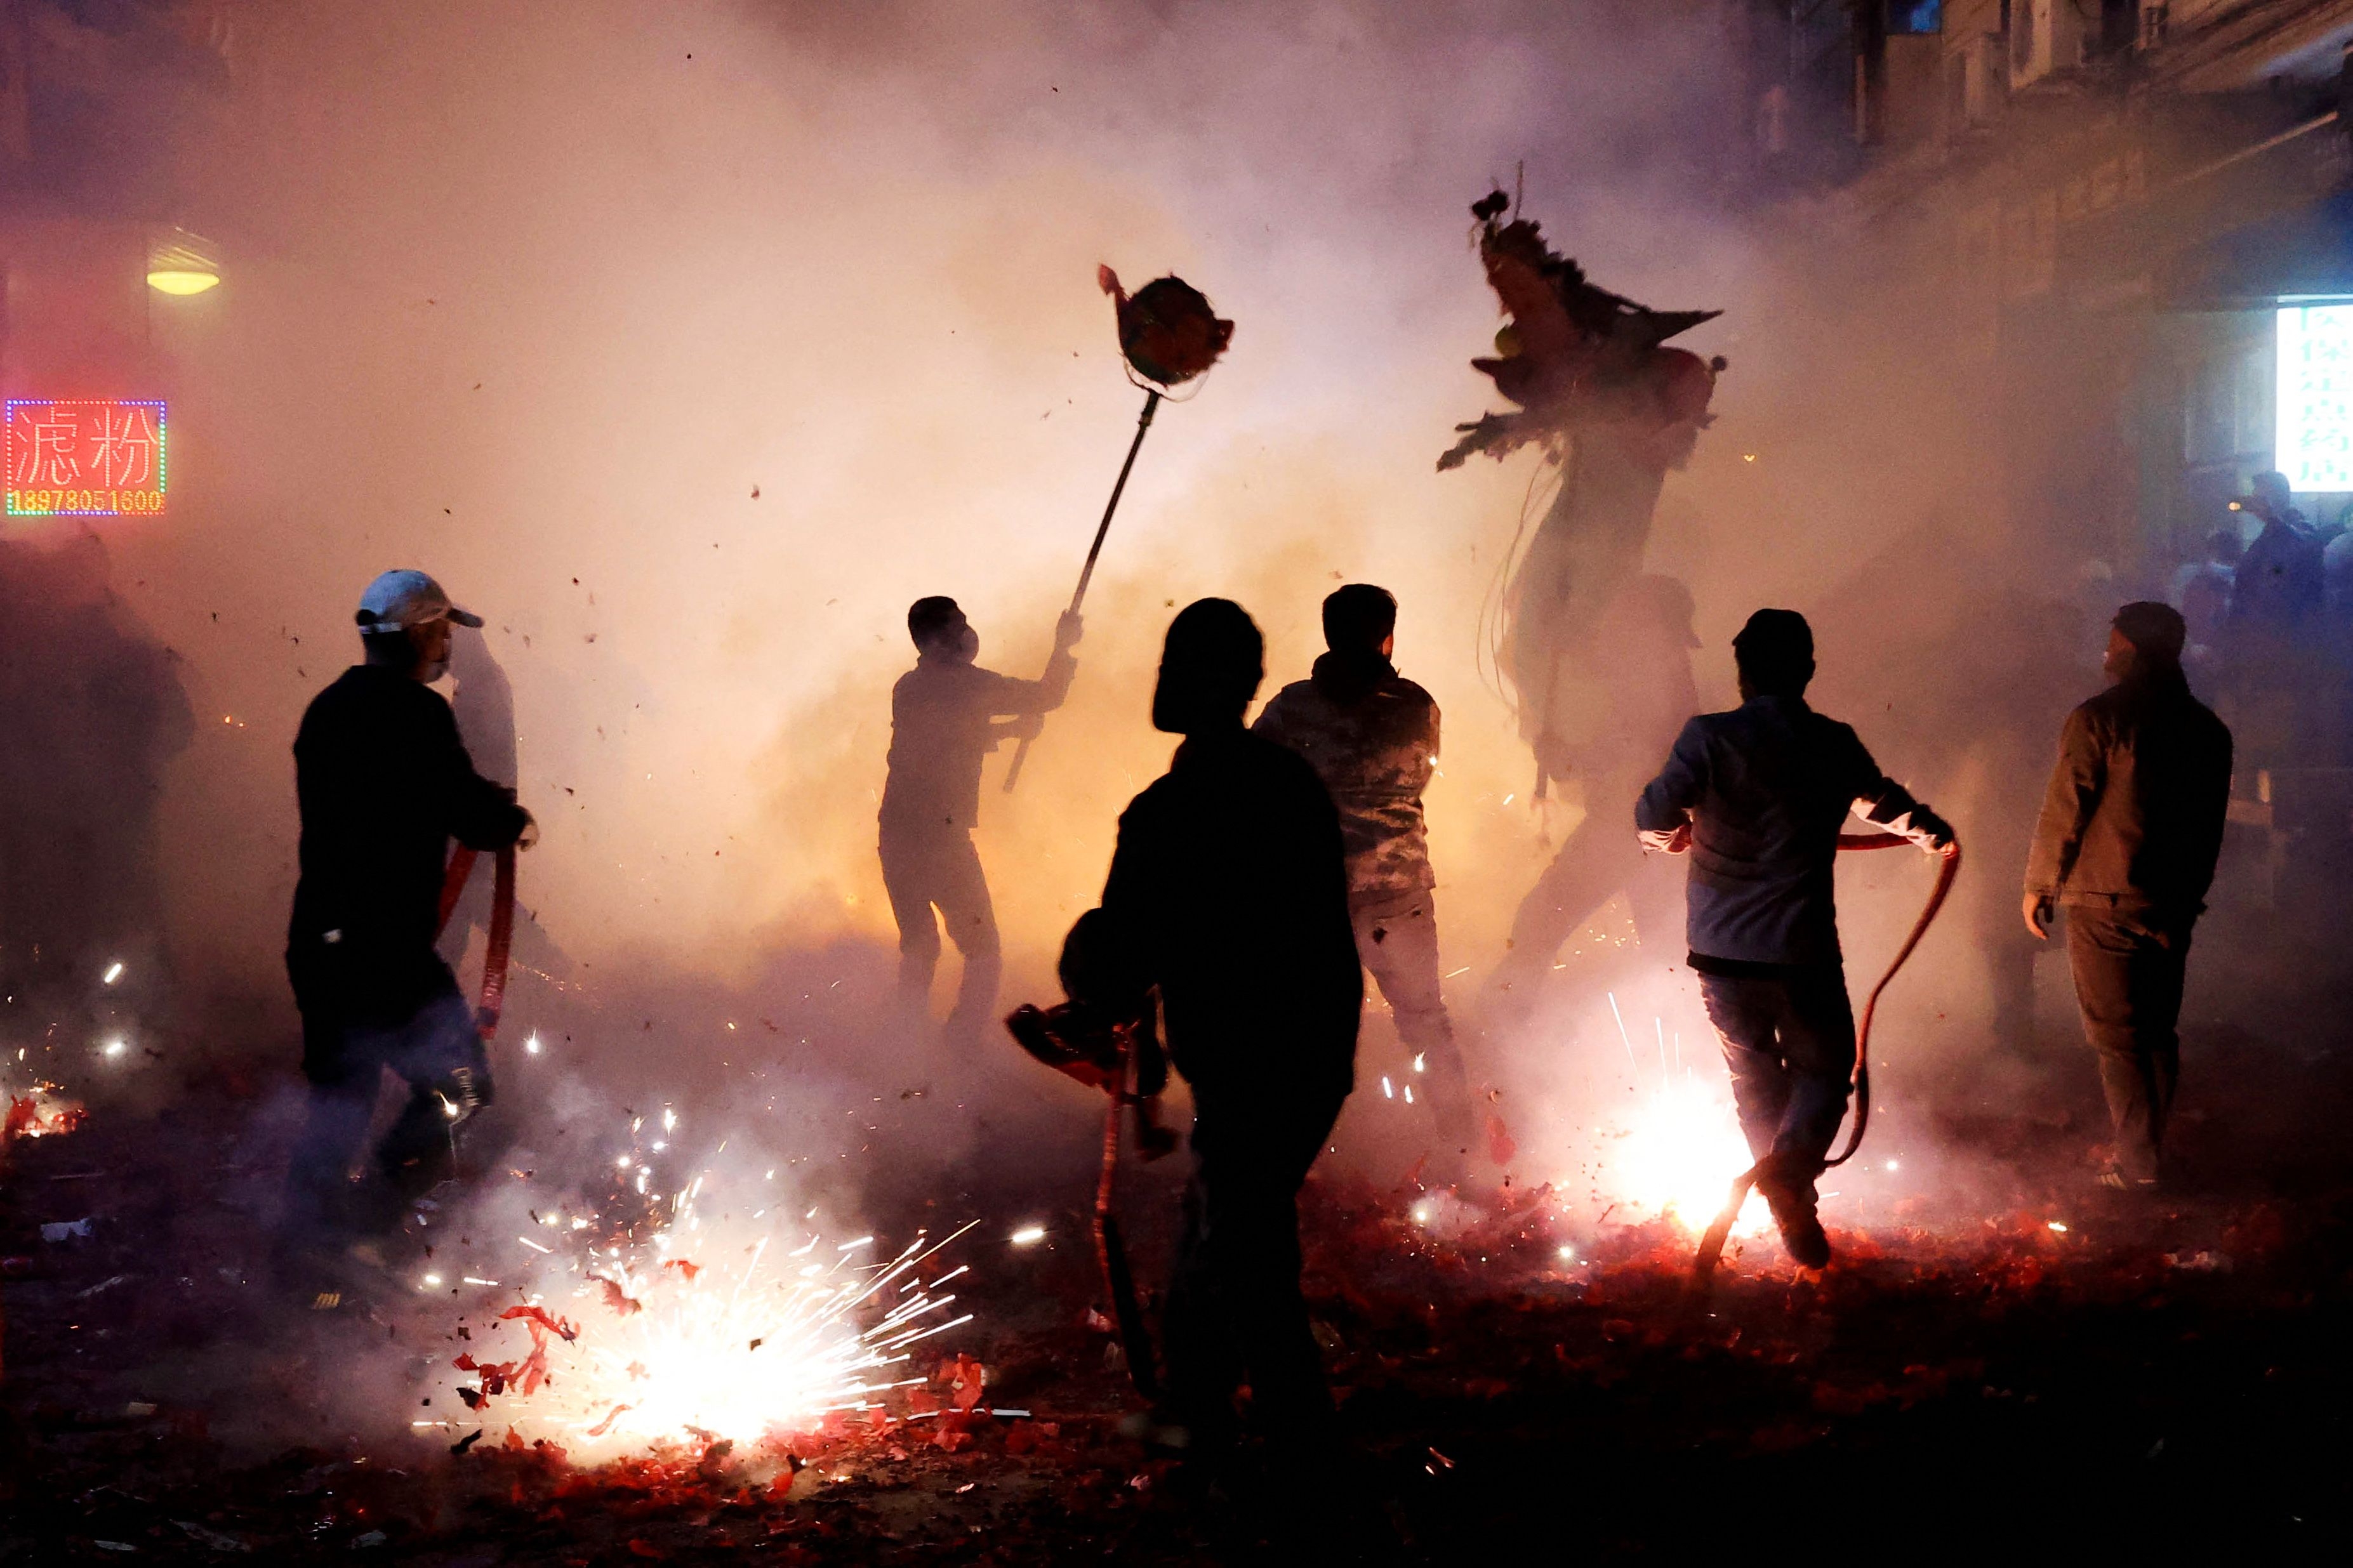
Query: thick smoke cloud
(540,299)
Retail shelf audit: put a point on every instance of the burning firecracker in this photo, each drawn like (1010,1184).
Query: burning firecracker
(756,1335)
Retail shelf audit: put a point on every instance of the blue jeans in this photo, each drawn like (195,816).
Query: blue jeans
(438,1052)
(1789,1042)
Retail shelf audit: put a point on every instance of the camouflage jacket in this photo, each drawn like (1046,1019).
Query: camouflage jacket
(1372,736)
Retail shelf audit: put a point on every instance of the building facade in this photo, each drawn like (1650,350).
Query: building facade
(2132,219)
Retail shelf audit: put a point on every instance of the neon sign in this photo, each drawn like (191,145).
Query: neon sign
(83,457)
(2315,439)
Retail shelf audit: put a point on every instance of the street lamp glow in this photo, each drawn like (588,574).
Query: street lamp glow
(180,282)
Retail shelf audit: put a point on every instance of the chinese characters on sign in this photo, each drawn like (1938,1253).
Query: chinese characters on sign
(2316,397)
(86,457)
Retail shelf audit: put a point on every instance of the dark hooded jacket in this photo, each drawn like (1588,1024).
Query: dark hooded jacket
(1371,735)
(383,783)
(1228,892)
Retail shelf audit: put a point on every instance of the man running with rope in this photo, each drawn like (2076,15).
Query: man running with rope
(1757,796)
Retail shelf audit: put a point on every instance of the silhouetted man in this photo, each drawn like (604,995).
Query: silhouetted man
(2131,829)
(1607,725)
(1229,893)
(946,715)
(93,713)
(385,783)
(1756,796)
(2274,635)
(1371,735)
(2277,586)
(2202,588)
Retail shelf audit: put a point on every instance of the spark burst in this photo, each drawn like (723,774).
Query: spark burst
(756,1342)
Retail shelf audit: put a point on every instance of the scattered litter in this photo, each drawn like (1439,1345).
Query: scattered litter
(2200,1262)
(109,1283)
(212,1540)
(70,1230)
(373,1537)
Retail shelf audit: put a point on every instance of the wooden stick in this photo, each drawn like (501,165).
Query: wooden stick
(1086,572)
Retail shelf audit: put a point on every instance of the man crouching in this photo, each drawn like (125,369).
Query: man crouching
(1757,796)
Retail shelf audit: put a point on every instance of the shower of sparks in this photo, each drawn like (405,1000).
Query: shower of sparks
(114,972)
(1681,1151)
(1674,1151)
(1029,1236)
(740,1350)
(678,1326)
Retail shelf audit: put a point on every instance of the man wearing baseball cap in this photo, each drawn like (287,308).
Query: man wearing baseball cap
(2131,829)
(383,784)
(1756,796)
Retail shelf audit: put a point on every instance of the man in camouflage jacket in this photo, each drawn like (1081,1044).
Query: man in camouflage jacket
(1372,737)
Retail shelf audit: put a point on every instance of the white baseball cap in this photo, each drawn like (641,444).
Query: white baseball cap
(399,600)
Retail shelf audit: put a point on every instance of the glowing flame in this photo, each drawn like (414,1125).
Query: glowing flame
(1680,1151)
(670,1350)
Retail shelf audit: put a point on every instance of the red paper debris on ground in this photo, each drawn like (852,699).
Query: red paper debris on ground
(962,1377)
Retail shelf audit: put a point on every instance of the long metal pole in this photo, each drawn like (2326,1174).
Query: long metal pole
(1086,572)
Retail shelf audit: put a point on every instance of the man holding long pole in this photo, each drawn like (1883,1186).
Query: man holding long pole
(1168,334)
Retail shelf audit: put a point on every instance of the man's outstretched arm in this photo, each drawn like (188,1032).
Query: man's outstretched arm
(1881,801)
(1016,698)
(481,814)
(1662,811)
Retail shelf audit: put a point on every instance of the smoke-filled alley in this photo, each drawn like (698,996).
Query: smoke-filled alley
(987,781)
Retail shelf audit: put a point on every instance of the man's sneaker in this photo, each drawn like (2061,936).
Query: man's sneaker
(1161,1434)
(1801,1227)
(1802,1234)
